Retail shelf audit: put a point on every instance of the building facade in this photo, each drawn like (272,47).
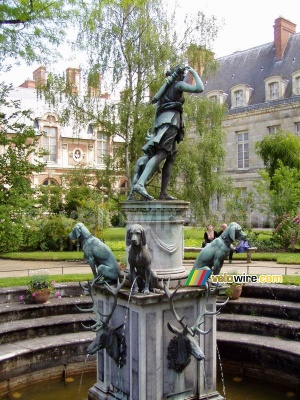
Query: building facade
(68,147)
(261,88)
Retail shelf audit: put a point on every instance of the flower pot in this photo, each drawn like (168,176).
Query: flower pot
(41,296)
(234,291)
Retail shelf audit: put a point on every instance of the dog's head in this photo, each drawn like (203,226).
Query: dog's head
(136,235)
(234,232)
(78,230)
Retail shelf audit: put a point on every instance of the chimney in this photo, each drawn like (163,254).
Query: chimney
(73,80)
(283,28)
(39,76)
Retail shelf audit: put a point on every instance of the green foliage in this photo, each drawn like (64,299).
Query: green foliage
(138,41)
(11,232)
(94,214)
(238,207)
(54,232)
(201,158)
(277,149)
(20,158)
(29,26)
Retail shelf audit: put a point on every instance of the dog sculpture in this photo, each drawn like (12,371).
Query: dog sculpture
(214,253)
(139,259)
(96,253)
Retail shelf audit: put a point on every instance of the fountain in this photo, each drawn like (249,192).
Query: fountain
(162,360)
(152,325)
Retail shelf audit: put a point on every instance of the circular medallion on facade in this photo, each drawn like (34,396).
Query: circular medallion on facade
(77,154)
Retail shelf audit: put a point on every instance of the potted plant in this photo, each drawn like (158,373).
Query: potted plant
(234,290)
(40,287)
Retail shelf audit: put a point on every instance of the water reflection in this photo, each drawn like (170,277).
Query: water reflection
(70,389)
(246,388)
(237,388)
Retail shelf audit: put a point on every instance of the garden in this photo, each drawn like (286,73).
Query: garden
(268,250)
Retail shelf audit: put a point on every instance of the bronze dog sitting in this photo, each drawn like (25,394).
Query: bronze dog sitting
(139,260)
(97,254)
(214,253)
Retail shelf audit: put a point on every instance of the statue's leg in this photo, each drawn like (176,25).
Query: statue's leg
(166,176)
(150,168)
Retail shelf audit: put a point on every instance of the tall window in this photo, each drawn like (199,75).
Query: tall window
(243,150)
(49,143)
(102,147)
(239,101)
(274,90)
(298,86)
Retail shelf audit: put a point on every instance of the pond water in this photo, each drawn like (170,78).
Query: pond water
(75,388)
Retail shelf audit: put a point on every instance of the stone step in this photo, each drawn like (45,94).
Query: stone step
(261,354)
(272,291)
(12,294)
(263,307)
(26,357)
(66,305)
(265,326)
(15,331)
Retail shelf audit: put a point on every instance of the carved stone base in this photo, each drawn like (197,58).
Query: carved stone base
(163,224)
(147,374)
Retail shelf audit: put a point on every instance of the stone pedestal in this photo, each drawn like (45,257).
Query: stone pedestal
(146,375)
(163,224)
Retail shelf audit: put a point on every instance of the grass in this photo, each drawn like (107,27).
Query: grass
(24,281)
(115,239)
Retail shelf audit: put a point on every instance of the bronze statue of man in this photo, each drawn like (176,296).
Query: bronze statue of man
(168,129)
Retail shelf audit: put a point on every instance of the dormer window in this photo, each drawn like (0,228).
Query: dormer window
(217,96)
(240,95)
(273,91)
(296,83)
(238,98)
(275,87)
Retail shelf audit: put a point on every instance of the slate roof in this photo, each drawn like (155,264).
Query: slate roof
(252,67)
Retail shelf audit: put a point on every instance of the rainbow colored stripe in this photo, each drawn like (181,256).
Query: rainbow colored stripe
(198,277)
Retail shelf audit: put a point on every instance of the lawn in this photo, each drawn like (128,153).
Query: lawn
(115,239)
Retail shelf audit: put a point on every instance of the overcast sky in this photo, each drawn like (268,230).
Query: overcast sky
(245,24)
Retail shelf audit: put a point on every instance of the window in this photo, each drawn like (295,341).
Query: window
(50,182)
(297,128)
(297,88)
(243,150)
(273,91)
(102,147)
(49,143)
(296,82)
(275,87)
(274,129)
(217,96)
(238,96)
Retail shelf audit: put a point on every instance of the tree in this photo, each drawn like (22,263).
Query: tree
(130,44)
(276,148)
(28,26)
(21,157)
(198,168)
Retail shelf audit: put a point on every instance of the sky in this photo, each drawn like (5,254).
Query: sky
(245,24)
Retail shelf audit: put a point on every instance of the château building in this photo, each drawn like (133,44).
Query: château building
(70,146)
(261,88)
